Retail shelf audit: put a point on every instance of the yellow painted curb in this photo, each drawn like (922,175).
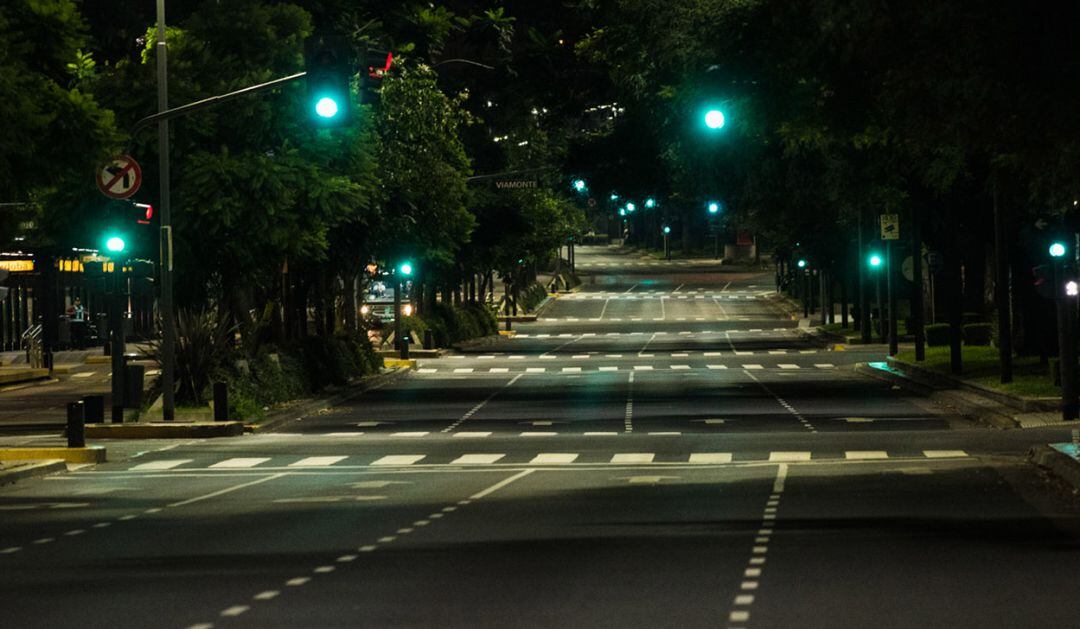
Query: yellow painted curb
(838,347)
(9,376)
(398,362)
(507,332)
(165,430)
(91,454)
(98,360)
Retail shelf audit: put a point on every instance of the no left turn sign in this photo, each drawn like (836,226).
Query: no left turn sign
(120,177)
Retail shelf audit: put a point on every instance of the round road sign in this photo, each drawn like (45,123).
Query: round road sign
(120,177)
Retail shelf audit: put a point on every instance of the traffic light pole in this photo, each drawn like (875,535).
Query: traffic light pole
(894,342)
(1066,313)
(168,323)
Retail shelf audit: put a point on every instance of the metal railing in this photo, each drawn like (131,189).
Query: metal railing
(32,343)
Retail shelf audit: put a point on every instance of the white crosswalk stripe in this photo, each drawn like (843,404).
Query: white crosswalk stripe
(477,459)
(710,457)
(318,461)
(553,458)
(399,459)
(632,457)
(240,462)
(159,465)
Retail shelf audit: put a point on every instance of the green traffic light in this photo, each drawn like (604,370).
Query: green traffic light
(579,185)
(650,203)
(1057,250)
(714,119)
(405,268)
(667,230)
(713,207)
(874,260)
(115,244)
(630,207)
(326,107)
(801,264)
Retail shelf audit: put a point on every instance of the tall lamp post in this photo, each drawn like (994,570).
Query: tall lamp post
(713,208)
(1065,296)
(874,261)
(168,324)
(667,251)
(404,269)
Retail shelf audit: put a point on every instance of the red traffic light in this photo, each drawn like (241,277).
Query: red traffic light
(148,214)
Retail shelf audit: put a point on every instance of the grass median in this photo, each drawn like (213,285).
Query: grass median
(981,366)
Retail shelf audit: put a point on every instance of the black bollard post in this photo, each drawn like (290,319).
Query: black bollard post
(221,402)
(405,347)
(94,409)
(76,425)
(429,340)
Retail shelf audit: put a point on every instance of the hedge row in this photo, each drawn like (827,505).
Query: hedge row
(937,334)
(532,297)
(451,324)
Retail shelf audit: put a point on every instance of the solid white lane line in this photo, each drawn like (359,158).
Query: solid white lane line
(499,485)
(159,465)
(477,459)
(222,492)
(624,458)
(399,459)
(240,462)
(318,461)
(553,458)
(710,457)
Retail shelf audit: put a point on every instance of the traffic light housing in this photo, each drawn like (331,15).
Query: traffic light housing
(329,81)
(376,65)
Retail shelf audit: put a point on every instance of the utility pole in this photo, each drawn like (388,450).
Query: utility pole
(864,297)
(917,317)
(1001,293)
(894,342)
(168,323)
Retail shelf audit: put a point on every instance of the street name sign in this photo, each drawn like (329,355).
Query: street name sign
(890,227)
(119,178)
(515,184)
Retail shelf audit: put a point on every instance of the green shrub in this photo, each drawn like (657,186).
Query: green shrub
(937,334)
(973,317)
(978,333)
(532,296)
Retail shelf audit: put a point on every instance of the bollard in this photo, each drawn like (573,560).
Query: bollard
(405,347)
(94,409)
(76,425)
(429,340)
(221,402)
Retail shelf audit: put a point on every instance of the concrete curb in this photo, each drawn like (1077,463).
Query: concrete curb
(89,454)
(16,376)
(32,470)
(1026,405)
(310,407)
(989,413)
(1062,465)
(395,363)
(165,430)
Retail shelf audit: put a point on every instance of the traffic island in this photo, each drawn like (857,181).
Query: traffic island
(88,454)
(1063,459)
(14,471)
(165,430)
(17,375)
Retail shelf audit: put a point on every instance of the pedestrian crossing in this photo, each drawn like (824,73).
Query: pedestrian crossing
(661,333)
(657,295)
(535,458)
(617,368)
(714,319)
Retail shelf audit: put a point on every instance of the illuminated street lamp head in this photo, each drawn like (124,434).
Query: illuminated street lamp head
(650,203)
(1057,250)
(405,268)
(801,264)
(326,107)
(115,244)
(714,207)
(579,185)
(714,119)
(667,230)
(1072,289)
(874,260)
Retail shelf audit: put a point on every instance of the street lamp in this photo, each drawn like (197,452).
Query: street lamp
(875,262)
(713,208)
(667,250)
